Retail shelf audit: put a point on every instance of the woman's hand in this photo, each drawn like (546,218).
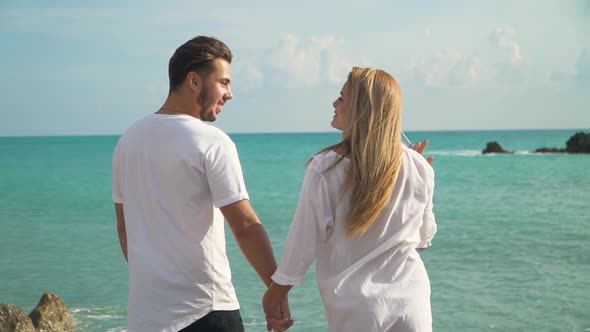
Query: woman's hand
(275,304)
(420,147)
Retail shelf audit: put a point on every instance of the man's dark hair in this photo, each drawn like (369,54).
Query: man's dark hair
(196,55)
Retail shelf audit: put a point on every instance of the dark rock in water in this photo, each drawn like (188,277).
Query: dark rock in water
(493,147)
(549,150)
(14,319)
(52,315)
(579,143)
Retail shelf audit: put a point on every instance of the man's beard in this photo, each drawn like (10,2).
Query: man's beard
(205,105)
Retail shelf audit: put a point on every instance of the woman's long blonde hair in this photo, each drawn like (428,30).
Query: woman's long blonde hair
(372,142)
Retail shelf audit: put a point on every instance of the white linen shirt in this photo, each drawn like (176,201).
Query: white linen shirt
(172,173)
(361,279)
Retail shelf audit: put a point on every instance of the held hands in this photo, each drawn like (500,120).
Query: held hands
(420,147)
(278,314)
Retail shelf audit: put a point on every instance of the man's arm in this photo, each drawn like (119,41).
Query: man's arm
(251,238)
(121,230)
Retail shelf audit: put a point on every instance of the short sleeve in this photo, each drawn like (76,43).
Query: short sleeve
(224,173)
(116,177)
(428,228)
(307,231)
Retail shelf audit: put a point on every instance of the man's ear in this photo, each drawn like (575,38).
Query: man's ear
(194,80)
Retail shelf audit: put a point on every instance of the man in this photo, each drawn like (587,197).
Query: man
(175,179)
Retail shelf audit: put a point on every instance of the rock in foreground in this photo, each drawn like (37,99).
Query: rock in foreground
(52,315)
(14,319)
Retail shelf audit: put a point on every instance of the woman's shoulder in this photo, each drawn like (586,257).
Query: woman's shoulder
(418,161)
(326,159)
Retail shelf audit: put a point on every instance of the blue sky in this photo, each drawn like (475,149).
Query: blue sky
(89,68)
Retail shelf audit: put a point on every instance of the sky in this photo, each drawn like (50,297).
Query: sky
(95,67)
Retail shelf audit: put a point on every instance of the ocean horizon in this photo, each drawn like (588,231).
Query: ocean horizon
(511,252)
(319,132)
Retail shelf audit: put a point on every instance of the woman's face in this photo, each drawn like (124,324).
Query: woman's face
(340,120)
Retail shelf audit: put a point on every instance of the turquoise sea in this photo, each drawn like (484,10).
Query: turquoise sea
(512,252)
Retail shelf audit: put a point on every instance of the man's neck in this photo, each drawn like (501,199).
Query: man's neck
(175,105)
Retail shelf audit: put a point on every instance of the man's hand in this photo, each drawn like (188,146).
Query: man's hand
(279,320)
(275,304)
(420,147)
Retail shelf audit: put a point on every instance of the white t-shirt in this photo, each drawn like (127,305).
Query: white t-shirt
(172,173)
(377,280)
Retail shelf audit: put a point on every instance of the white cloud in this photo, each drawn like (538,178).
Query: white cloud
(309,62)
(503,62)
(450,66)
(338,69)
(248,76)
(298,62)
(579,71)
(503,38)
(507,64)
(465,70)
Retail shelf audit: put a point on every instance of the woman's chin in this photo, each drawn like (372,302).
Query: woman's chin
(335,125)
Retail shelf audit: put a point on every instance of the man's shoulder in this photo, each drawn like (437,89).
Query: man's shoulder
(214,137)
(217,133)
(137,125)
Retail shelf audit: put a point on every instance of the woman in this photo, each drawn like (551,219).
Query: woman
(365,209)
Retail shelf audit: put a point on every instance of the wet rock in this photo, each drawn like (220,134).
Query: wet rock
(52,315)
(579,143)
(14,319)
(549,150)
(493,147)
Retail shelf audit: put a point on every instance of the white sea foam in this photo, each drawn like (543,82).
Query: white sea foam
(100,313)
(477,153)
(533,153)
(111,319)
(523,152)
(460,153)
